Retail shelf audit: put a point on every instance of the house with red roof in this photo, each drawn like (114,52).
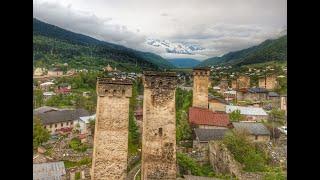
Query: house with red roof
(207,119)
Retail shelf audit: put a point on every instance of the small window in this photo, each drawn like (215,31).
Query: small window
(123,92)
(256,137)
(106,91)
(160,131)
(71,123)
(55,125)
(61,124)
(160,83)
(67,123)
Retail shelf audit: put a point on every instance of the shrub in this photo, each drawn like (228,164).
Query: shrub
(245,152)
(186,164)
(76,145)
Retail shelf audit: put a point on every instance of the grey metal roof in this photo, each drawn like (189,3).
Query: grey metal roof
(61,115)
(253,128)
(210,96)
(255,111)
(258,90)
(44,109)
(49,171)
(273,94)
(209,134)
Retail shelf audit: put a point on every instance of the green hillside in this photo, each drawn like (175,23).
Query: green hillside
(269,50)
(54,45)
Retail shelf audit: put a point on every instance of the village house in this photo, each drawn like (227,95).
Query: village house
(86,94)
(230,95)
(39,71)
(63,89)
(108,68)
(216,104)
(253,94)
(250,113)
(50,170)
(55,72)
(274,98)
(48,95)
(46,86)
(82,123)
(203,136)
(257,131)
(207,119)
(54,119)
(71,72)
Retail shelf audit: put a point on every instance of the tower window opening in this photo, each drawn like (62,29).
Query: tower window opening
(160,131)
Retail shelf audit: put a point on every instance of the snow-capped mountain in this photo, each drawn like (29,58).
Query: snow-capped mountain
(175,47)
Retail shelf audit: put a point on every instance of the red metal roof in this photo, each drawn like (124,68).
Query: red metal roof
(200,116)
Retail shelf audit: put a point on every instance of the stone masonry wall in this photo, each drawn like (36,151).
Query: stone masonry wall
(271,82)
(243,82)
(159,127)
(111,130)
(200,88)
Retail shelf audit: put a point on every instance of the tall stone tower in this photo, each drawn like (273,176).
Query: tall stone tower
(200,87)
(269,82)
(159,126)
(243,82)
(111,129)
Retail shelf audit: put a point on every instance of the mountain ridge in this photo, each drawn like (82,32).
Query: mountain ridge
(268,50)
(100,49)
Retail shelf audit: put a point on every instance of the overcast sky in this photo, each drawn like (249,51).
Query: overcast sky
(219,26)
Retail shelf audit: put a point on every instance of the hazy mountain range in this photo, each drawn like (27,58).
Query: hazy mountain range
(52,44)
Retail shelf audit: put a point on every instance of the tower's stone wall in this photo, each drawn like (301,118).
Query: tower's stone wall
(111,130)
(243,82)
(262,82)
(200,87)
(234,84)
(271,82)
(159,126)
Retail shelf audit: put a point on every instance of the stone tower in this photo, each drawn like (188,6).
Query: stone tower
(159,126)
(200,87)
(111,129)
(269,82)
(243,82)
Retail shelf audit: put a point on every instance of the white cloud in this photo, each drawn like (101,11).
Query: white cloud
(219,26)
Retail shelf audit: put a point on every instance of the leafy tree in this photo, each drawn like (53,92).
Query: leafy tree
(277,115)
(133,128)
(92,126)
(236,115)
(38,98)
(40,134)
(253,158)
(187,163)
(183,102)
(76,145)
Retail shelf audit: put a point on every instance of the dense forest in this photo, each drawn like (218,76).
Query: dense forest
(54,45)
(269,50)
